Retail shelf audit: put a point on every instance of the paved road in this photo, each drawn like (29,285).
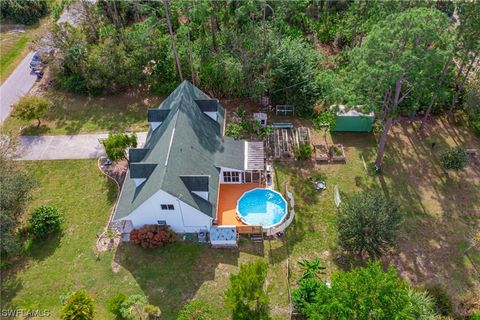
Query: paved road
(17,85)
(82,146)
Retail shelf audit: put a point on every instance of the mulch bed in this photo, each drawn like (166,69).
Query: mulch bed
(116,170)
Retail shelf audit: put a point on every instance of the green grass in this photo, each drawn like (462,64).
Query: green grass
(10,55)
(313,233)
(14,46)
(169,277)
(440,215)
(76,114)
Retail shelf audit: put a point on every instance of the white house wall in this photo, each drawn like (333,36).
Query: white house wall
(184,218)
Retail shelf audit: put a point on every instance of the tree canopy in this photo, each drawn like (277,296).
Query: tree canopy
(247,296)
(368,223)
(363,293)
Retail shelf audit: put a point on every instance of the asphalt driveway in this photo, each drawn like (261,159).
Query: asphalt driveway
(16,85)
(82,146)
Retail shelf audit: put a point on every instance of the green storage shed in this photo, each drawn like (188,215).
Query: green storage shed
(353,120)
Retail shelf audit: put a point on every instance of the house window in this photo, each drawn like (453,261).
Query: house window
(231,176)
(167,207)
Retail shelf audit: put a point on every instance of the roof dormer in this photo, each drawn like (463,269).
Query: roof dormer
(139,172)
(197,185)
(156,117)
(209,107)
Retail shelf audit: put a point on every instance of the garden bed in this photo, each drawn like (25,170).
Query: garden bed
(338,152)
(321,153)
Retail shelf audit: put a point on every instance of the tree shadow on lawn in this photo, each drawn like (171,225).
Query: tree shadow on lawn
(38,250)
(171,276)
(440,210)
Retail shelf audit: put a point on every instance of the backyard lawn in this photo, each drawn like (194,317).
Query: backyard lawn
(441,215)
(74,114)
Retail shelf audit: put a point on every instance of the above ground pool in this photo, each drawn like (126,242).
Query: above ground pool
(262,207)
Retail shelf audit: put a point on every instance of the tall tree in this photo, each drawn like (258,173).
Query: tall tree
(465,48)
(468,45)
(172,36)
(400,56)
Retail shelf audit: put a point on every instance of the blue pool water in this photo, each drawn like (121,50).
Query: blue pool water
(262,207)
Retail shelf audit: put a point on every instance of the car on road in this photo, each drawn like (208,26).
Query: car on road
(36,60)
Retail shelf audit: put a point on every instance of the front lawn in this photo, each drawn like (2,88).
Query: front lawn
(74,114)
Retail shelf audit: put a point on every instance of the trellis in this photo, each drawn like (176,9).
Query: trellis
(284,110)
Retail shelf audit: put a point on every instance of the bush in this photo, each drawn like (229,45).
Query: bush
(115,305)
(443,302)
(474,316)
(117,143)
(454,159)
(195,310)
(368,223)
(152,236)
(136,307)
(234,130)
(423,307)
(30,108)
(246,296)
(21,11)
(79,305)
(475,123)
(45,220)
(303,152)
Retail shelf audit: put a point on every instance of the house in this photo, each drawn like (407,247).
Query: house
(175,178)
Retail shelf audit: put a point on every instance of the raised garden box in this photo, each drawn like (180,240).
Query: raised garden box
(321,153)
(338,153)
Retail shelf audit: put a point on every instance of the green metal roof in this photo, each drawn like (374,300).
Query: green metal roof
(187,143)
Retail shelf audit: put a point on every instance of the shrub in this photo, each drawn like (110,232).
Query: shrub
(30,108)
(79,305)
(195,310)
(368,223)
(115,305)
(246,296)
(475,123)
(136,307)
(45,220)
(443,302)
(454,159)
(152,236)
(303,152)
(234,130)
(422,305)
(117,143)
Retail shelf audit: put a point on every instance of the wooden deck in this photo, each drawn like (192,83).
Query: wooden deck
(227,202)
